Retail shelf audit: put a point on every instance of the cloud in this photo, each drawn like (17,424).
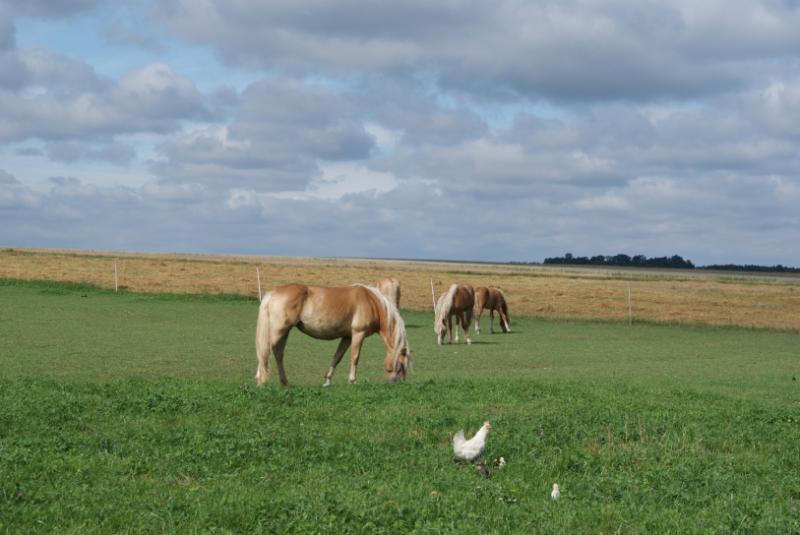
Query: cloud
(49,9)
(575,50)
(44,70)
(7,178)
(511,130)
(280,132)
(7,31)
(70,152)
(161,191)
(151,99)
(338,179)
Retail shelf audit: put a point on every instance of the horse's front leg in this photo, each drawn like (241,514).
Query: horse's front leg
(491,320)
(450,329)
(504,321)
(465,320)
(344,343)
(478,322)
(358,339)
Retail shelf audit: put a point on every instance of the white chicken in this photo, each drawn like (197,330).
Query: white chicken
(469,450)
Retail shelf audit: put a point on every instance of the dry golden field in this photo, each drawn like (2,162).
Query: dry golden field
(557,292)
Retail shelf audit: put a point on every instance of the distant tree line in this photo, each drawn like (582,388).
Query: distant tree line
(751,267)
(639,260)
(673,262)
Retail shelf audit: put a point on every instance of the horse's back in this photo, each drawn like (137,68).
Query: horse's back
(464,297)
(337,311)
(288,298)
(497,296)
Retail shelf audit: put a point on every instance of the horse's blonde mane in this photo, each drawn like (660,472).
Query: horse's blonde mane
(396,326)
(443,306)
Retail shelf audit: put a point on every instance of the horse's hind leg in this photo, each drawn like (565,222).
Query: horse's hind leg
(344,343)
(262,371)
(491,320)
(277,349)
(358,339)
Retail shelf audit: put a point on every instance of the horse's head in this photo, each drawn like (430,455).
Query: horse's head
(401,366)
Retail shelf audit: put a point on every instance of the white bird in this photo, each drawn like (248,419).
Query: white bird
(469,450)
(556,494)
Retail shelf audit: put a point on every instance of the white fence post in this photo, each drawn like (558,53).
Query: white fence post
(258,278)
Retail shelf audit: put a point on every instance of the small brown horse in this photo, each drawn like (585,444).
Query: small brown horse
(351,313)
(493,299)
(390,287)
(457,301)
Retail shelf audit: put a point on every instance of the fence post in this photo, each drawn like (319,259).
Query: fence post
(433,296)
(116,282)
(630,310)
(258,278)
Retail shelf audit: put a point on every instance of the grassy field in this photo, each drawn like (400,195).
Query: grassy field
(667,296)
(131,412)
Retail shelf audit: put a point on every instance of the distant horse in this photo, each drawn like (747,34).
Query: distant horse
(351,313)
(493,299)
(457,301)
(390,287)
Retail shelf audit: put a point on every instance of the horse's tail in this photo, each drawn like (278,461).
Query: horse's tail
(263,347)
(504,306)
(480,298)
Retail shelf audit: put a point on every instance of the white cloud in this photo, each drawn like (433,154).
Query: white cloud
(56,103)
(339,179)
(160,191)
(606,201)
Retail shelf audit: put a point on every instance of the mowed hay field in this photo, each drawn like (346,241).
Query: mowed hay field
(669,296)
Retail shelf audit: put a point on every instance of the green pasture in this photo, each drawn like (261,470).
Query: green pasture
(137,413)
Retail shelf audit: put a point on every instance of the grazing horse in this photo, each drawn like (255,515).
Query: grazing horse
(351,313)
(457,301)
(493,299)
(390,287)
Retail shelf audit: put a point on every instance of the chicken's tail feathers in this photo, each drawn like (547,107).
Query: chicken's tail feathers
(458,439)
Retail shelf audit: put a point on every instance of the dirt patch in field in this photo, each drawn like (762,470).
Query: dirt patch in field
(561,292)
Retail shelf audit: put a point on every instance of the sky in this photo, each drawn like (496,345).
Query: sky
(509,130)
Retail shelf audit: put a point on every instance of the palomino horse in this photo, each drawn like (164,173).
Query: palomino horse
(390,287)
(493,299)
(351,313)
(457,301)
